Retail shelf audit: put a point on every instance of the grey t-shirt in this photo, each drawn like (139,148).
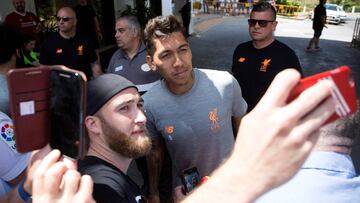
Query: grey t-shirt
(196,126)
(136,69)
(4,95)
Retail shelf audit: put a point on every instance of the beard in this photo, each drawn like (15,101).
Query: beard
(129,146)
(20,9)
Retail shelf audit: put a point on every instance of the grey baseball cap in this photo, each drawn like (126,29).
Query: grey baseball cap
(103,88)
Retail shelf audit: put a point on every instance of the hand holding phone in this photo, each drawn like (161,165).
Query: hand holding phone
(190,179)
(343,91)
(47,106)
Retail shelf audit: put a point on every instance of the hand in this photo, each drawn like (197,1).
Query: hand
(275,138)
(178,193)
(55,182)
(153,198)
(35,160)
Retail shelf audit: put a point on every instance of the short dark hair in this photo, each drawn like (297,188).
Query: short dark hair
(349,126)
(344,128)
(160,27)
(264,6)
(10,39)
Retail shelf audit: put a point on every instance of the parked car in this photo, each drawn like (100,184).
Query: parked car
(342,15)
(334,14)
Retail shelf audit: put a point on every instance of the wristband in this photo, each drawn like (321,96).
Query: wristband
(22,193)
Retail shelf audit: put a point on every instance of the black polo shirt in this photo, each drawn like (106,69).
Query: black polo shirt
(76,53)
(255,69)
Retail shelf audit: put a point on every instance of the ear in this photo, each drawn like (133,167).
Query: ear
(135,33)
(93,125)
(150,62)
(274,25)
(18,55)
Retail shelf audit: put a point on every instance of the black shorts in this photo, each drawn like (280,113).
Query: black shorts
(317,32)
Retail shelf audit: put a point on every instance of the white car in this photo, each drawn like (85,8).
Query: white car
(335,14)
(342,15)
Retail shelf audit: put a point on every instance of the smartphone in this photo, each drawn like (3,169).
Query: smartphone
(343,92)
(29,107)
(67,112)
(190,179)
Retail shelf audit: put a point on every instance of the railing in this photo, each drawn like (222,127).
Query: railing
(237,8)
(287,10)
(355,42)
(227,8)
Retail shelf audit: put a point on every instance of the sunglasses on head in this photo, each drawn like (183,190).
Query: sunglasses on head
(262,23)
(65,19)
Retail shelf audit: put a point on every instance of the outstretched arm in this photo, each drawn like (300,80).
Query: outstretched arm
(272,143)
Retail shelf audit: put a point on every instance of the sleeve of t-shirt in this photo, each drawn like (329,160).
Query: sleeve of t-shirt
(35,17)
(239,105)
(105,194)
(233,66)
(12,162)
(9,20)
(294,62)
(110,68)
(150,124)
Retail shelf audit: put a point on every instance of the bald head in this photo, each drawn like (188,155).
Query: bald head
(19,5)
(67,11)
(66,20)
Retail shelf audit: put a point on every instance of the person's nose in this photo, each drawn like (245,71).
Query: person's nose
(178,60)
(140,117)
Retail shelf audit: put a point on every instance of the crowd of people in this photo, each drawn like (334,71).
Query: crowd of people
(153,110)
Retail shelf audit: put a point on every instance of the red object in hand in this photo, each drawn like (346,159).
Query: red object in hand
(343,92)
(204,179)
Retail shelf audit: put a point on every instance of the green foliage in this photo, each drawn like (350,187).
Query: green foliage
(141,10)
(197,5)
(288,2)
(347,4)
(46,11)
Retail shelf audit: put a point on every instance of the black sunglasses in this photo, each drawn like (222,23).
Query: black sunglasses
(262,23)
(65,19)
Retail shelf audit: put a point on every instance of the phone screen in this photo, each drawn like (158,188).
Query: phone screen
(190,179)
(66,112)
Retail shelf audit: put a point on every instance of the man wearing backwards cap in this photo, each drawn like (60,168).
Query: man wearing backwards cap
(115,125)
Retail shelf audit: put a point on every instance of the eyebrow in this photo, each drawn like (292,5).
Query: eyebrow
(184,45)
(130,101)
(181,46)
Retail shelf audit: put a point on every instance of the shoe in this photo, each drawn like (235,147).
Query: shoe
(308,49)
(317,49)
